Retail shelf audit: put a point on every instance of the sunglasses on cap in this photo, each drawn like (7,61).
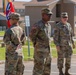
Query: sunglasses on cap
(49,15)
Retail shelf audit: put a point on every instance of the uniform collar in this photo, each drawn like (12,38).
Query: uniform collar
(14,25)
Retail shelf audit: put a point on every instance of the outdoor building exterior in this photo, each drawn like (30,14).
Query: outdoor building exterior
(19,8)
(2,18)
(33,10)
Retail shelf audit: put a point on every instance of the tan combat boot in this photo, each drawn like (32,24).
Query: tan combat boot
(66,72)
(61,72)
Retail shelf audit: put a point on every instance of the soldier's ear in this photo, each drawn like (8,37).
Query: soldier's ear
(43,14)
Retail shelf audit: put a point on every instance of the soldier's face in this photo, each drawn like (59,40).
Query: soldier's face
(46,17)
(64,19)
(13,21)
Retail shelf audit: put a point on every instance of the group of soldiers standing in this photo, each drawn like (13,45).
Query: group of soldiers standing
(40,36)
(63,39)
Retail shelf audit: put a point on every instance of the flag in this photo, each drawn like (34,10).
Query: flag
(9,10)
(4,6)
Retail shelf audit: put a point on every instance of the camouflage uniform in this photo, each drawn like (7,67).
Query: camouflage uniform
(42,58)
(63,38)
(13,58)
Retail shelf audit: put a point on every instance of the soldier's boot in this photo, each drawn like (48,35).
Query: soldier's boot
(19,73)
(66,72)
(61,72)
(46,74)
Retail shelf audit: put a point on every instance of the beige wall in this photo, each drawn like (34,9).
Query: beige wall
(53,9)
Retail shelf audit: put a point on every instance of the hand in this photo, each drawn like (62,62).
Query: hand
(58,48)
(73,46)
(19,47)
(19,39)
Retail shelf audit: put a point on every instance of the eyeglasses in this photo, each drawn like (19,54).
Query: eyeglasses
(49,15)
(13,19)
(65,17)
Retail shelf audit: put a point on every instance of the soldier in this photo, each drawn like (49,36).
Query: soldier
(39,37)
(13,38)
(63,39)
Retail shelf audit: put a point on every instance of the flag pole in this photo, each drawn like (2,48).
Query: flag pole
(9,0)
(4,6)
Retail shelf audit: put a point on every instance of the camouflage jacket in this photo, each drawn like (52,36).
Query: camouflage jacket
(63,34)
(38,35)
(13,37)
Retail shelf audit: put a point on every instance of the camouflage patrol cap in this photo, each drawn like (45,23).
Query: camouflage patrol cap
(14,16)
(46,11)
(64,14)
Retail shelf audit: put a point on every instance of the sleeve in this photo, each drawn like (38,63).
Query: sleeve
(56,36)
(49,32)
(7,40)
(72,35)
(23,37)
(33,34)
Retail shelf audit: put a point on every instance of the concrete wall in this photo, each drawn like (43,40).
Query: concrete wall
(53,19)
(53,9)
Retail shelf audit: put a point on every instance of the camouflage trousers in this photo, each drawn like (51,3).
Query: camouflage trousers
(14,64)
(42,62)
(65,52)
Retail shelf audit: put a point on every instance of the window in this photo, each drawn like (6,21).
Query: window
(21,10)
(58,10)
(17,10)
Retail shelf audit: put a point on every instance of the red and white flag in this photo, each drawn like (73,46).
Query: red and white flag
(9,10)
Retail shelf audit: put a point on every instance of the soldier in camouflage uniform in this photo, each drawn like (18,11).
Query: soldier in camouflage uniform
(63,39)
(40,39)
(13,38)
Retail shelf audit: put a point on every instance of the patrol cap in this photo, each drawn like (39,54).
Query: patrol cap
(14,16)
(46,11)
(64,14)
